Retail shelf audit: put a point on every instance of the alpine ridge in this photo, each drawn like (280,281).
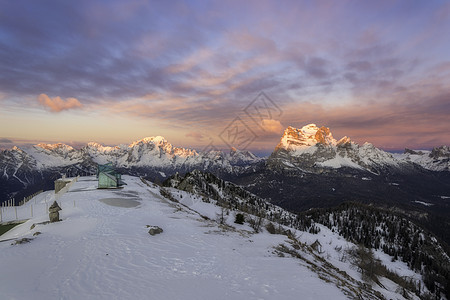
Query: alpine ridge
(28,169)
(147,152)
(312,149)
(438,159)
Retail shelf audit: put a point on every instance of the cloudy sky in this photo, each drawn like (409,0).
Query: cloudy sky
(198,72)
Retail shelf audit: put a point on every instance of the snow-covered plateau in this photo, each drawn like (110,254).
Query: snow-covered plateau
(101,249)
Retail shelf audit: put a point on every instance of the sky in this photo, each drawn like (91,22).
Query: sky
(224,73)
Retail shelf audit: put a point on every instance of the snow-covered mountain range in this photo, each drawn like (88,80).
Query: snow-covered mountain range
(310,149)
(148,152)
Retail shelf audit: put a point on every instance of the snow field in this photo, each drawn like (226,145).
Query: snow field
(100,251)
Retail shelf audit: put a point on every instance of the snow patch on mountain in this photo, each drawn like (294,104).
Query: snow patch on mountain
(339,162)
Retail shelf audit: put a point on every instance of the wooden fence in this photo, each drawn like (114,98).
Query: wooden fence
(10,212)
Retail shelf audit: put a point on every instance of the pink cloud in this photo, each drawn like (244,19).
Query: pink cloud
(272,126)
(57,104)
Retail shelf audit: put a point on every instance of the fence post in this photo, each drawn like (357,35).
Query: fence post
(15,208)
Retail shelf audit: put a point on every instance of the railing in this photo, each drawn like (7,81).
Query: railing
(26,199)
(10,212)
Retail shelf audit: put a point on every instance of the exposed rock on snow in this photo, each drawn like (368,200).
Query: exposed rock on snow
(22,241)
(154,230)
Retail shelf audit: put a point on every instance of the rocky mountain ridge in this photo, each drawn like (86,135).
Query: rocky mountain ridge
(150,151)
(313,149)
(310,148)
(438,159)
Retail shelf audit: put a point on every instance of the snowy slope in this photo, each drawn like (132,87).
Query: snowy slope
(104,252)
(100,251)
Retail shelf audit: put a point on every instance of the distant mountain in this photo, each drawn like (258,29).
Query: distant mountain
(309,168)
(312,149)
(154,152)
(437,159)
